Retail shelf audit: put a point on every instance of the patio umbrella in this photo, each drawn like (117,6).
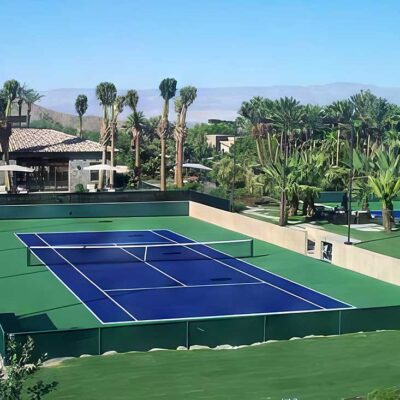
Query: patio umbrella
(100,167)
(15,168)
(196,166)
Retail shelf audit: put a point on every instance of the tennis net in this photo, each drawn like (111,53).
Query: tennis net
(131,253)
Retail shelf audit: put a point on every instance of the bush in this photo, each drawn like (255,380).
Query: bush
(220,192)
(239,206)
(79,188)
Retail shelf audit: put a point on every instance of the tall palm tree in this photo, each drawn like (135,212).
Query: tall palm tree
(363,103)
(10,93)
(81,105)
(187,95)
(257,111)
(135,123)
(287,117)
(167,91)
(106,93)
(116,109)
(22,90)
(340,114)
(31,97)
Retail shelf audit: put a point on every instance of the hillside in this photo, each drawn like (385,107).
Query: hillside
(221,103)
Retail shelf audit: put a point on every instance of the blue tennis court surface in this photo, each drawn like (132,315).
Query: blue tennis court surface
(176,282)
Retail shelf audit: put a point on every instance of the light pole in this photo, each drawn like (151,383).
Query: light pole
(232,199)
(350,187)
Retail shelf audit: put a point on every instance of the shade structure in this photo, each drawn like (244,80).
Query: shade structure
(122,169)
(100,167)
(196,166)
(15,168)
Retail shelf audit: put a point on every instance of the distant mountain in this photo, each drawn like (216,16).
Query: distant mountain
(220,103)
(90,122)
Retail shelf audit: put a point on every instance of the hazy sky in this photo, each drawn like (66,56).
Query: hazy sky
(208,43)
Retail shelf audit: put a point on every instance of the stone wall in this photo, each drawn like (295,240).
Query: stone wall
(77,173)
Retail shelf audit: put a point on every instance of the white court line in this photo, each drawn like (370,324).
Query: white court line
(67,287)
(278,276)
(245,273)
(150,265)
(181,287)
(88,279)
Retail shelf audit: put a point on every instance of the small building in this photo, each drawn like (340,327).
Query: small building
(221,143)
(58,159)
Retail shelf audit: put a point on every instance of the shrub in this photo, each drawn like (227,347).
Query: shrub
(79,188)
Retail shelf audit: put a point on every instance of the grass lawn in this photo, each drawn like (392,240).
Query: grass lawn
(318,368)
(379,242)
(373,205)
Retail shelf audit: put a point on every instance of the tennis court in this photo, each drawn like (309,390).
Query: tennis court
(154,275)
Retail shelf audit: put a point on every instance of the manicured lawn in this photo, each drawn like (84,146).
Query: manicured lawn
(379,242)
(373,205)
(319,368)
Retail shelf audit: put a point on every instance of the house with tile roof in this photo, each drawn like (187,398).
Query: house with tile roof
(58,159)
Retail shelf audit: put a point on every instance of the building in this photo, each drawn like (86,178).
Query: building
(58,159)
(221,143)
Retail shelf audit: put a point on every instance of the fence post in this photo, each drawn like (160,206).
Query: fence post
(187,335)
(265,329)
(99,340)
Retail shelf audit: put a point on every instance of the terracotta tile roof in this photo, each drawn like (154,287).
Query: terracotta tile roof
(49,141)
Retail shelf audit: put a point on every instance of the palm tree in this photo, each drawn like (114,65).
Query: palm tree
(340,114)
(81,105)
(257,111)
(10,93)
(135,123)
(106,93)
(287,117)
(21,98)
(31,97)
(167,91)
(385,183)
(187,95)
(116,109)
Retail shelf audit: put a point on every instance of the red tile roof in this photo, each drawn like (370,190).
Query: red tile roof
(49,141)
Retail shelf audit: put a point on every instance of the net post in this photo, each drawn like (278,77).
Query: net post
(28,256)
(252,247)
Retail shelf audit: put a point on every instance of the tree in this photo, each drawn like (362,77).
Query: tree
(340,114)
(81,105)
(116,109)
(106,93)
(31,97)
(225,171)
(287,117)
(21,366)
(167,91)
(257,111)
(10,93)
(187,95)
(135,123)
(385,183)
(21,98)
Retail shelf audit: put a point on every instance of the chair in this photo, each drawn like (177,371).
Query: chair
(91,187)
(22,189)
(3,189)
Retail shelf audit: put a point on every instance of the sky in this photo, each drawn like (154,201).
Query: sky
(53,44)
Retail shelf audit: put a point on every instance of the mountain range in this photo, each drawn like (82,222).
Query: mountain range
(215,103)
